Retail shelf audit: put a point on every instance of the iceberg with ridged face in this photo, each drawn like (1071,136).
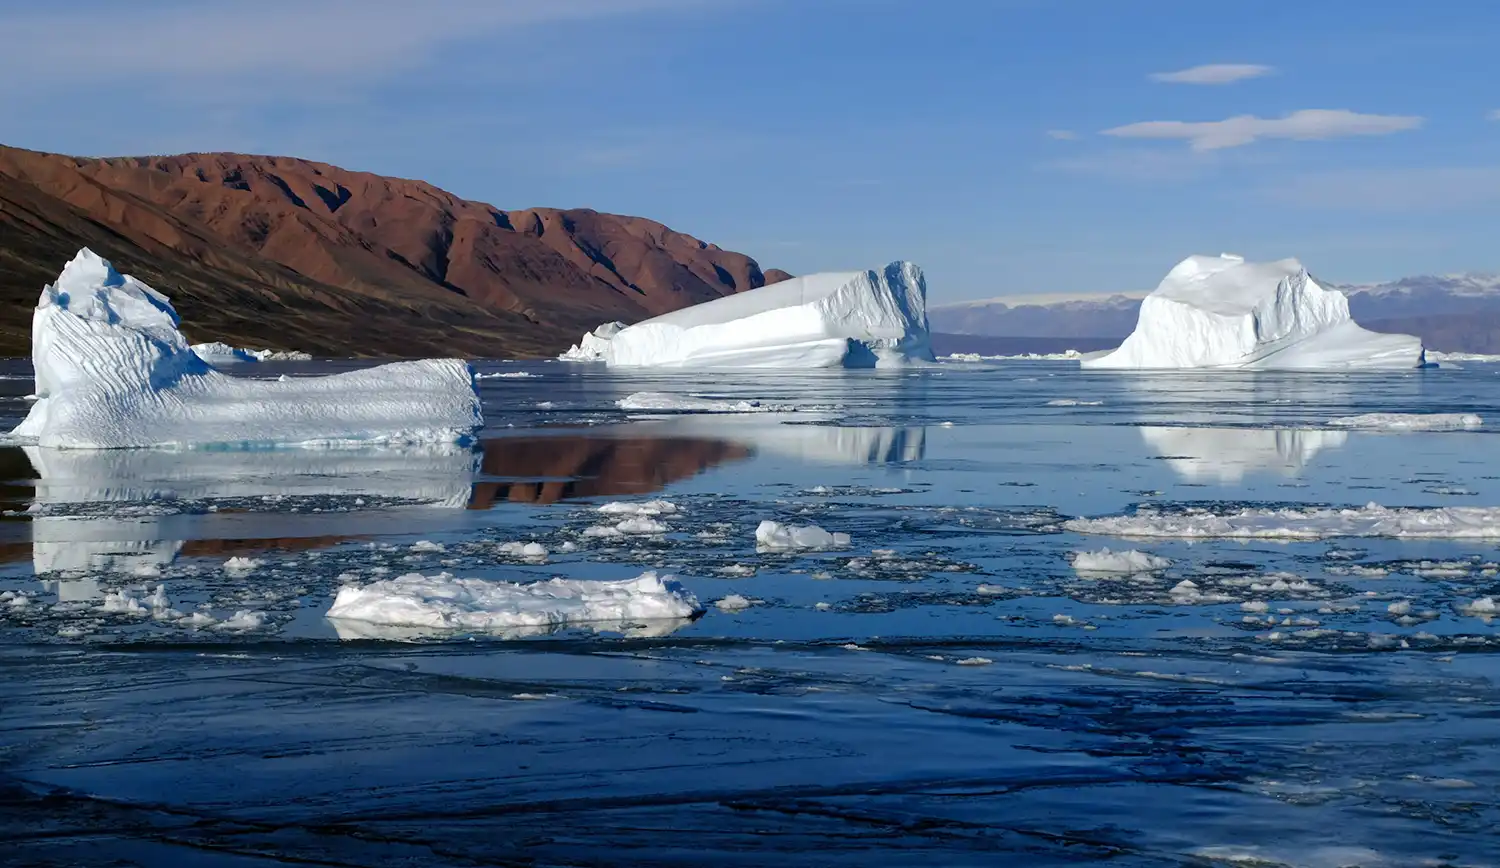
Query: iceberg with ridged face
(1224,312)
(852,319)
(113,371)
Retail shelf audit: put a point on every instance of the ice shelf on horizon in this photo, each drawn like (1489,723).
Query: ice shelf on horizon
(1224,312)
(854,319)
(113,371)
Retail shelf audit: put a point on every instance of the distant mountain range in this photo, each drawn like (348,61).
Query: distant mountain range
(1452,313)
(287,253)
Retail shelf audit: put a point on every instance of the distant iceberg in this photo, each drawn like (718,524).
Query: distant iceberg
(219,353)
(1224,312)
(855,319)
(113,371)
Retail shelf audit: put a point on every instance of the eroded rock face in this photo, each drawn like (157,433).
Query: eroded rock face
(294,254)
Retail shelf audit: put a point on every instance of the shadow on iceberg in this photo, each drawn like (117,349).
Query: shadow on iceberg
(1227,455)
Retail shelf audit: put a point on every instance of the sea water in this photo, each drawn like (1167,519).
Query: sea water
(948,689)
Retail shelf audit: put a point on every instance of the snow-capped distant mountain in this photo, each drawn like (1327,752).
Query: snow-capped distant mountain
(1452,312)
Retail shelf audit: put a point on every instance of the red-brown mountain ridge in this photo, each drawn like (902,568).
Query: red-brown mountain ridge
(293,254)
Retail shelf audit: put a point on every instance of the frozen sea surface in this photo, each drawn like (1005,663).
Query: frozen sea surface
(950,689)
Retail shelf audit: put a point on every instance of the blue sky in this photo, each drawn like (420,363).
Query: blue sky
(1009,146)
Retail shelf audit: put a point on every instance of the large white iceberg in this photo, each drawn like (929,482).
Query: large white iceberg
(592,346)
(113,371)
(1224,312)
(855,319)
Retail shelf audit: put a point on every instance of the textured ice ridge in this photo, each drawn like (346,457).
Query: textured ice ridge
(1224,312)
(113,371)
(856,319)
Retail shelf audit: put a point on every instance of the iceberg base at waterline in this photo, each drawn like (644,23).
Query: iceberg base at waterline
(113,371)
(220,353)
(852,319)
(1224,312)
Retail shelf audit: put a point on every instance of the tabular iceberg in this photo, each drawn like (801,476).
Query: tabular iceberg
(1224,312)
(855,319)
(113,371)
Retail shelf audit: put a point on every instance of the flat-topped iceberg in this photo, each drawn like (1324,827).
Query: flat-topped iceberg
(855,319)
(1224,312)
(592,346)
(113,371)
(220,353)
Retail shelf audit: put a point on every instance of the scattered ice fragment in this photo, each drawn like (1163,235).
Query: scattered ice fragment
(1371,520)
(529,551)
(242,621)
(734,603)
(427,545)
(1072,402)
(1484,607)
(974,661)
(642,525)
(239,567)
(1125,562)
(773,536)
(663,401)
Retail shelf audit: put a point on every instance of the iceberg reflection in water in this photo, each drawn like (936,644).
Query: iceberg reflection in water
(1226,455)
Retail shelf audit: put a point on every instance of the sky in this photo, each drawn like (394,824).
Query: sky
(1010,147)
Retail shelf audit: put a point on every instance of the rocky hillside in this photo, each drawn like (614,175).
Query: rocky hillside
(292,254)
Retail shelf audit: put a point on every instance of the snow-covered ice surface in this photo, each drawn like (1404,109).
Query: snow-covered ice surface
(853,319)
(978,662)
(112,371)
(1224,312)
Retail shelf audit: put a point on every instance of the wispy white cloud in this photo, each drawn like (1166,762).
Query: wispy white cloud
(1214,73)
(1398,190)
(1062,135)
(1304,125)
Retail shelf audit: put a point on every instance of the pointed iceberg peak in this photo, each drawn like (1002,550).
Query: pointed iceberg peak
(90,288)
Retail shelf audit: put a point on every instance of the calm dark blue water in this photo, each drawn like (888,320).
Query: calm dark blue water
(949,690)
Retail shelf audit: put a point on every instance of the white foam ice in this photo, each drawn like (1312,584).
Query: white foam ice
(219,353)
(1371,520)
(1224,312)
(773,536)
(444,602)
(1225,455)
(113,371)
(667,402)
(1131,562)
(854,319)
(594,345)
(1409,421)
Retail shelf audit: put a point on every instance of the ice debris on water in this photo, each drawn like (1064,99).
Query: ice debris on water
(240,567)
(734,603)
(446,602)
(1371,520)
(1409,421)
(1121,563)
(528,551)
(649,507)
(773,536)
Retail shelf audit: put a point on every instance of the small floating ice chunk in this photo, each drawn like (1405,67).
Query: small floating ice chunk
(1484,607)
(773,536)
(649,507)
(642,525)
(428,546)
(445,602)
(1126,562)
(239,567)
(734,603)
(529,551)
(1410,421)
(665,402)
(974,661)
(1072,402)
(242,621)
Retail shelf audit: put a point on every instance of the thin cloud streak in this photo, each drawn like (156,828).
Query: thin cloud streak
(1304,125)
(1214,73)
